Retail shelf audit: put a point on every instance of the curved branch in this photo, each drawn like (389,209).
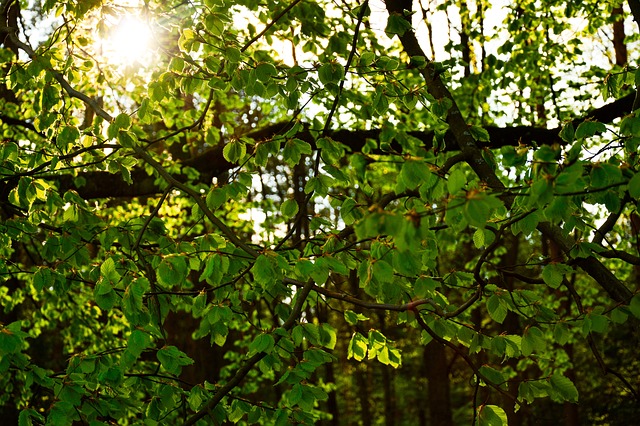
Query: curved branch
(196,198)
(465,356)
(269,25)
(12,34)
(354,46)
(468,146)
(411,306)
(301,297)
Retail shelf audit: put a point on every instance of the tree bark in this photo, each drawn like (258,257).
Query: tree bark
(438,388)
(619,45)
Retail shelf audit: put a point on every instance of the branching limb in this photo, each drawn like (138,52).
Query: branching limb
(12,34)
(594,349)
(354,46)
(460,352)
(301,297)
(197,198)
(269,25)
(188,127)
(468,146)
(411,306)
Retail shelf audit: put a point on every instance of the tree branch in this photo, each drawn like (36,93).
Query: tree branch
(98,184)
(468,146)
(301,297)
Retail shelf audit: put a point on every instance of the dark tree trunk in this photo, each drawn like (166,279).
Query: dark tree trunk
(363,383)
(332,402)
(439,400)
(465,42)
(389,396)
(571,413)
(619,46)
(511,326)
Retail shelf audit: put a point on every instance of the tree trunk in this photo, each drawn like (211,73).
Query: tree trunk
(363,384)
(439,400)
(619,46)
(389,397)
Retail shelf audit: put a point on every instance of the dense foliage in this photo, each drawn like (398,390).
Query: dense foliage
(305,211)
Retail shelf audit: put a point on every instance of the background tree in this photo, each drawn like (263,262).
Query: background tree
(319,212)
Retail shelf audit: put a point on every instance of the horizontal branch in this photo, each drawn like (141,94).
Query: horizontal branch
(411,306)
(211,163)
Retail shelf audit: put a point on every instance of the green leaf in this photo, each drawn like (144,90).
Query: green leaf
(123,121)
(478,238)
(353,317)
(127,139)
(397,25)
(232,54)
(172,271)
(289,208)
(425,287)
(589,128)
(619,316)
(216,197)
(634,305)
(104,295)
(137,342)
(49,97)
(265,71)
(382,271)
(565,387)
(357,348)
(215,268)
(42,278)
(103,287)
(263,270)
(367,58)
(67,136)
(386,63)
(332,151)
(262,343)
(597,323)
(234,151)
(634,186)
(173,359)
(479,133)
(332,72)
(567,133)
(476,210)
(456,181)
(328,336)
(561,333)
(108,269)
(294,149)
(497,311)
(414,173)
(492,375)
(11,339)
(492,415)
(553,274)
(25,417)
(533,341)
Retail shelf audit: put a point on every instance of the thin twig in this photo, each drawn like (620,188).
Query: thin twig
(197,198)
(301,297)
(269,25)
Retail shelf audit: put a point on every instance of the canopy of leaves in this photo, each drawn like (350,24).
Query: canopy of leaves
(301,212)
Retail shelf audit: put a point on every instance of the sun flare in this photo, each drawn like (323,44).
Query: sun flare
(128,41)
